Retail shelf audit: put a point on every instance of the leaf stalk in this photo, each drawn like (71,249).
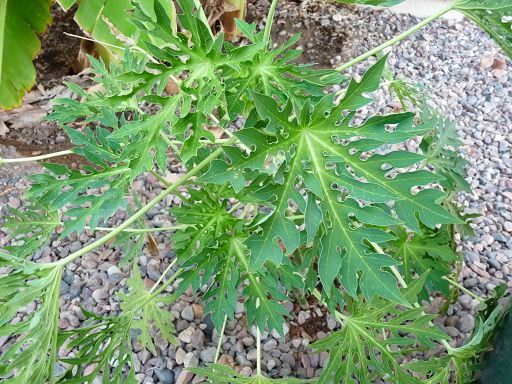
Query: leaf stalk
(464,289)
(258,346)
(221,337)
(36,158)
(270,21)
(70,152)
(143,230)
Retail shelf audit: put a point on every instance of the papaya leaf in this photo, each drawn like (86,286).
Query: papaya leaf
(111,336)
(331,158)
(442,149)
(147,312)
(31,229)
(31,356)
(420,253)
(208,219)
(363,344)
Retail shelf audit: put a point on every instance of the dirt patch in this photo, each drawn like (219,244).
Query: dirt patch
(58,51)
(314,324)
(321,25)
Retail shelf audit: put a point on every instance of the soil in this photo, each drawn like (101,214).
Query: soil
(58,50)
(321,39)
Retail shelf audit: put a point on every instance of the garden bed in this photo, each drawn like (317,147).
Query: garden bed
(468,78)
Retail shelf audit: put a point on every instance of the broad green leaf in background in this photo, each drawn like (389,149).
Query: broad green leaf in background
(109,21)
(20,23)
(494,16)
(106,21)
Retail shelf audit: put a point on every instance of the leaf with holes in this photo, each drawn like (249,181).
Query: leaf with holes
(335,160)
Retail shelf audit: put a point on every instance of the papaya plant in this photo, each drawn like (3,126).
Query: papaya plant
(305,199)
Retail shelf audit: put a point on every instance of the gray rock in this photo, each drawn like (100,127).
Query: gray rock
(114,270)
(466,323)
(252,355)
(208,355)
(452,321)
(494,263)
(452,331)
(499,237)
(184,377)
(471,257)
(180,356)
(153,273)
(188,313)
(197,339)
(288,306)
(165,376)
(100,294)
(288,358)
(64,287)
(331,322)
(470,283)
(248,341)
(190,360)
(270,345)
(186,335)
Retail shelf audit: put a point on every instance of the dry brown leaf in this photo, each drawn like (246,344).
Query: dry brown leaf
(152,245)
(3,129)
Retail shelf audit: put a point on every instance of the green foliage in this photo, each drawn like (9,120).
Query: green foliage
(20,23)
(363,348)
(206,212)
(32,353)
(102,343)
(316,158)
(462,362)
(443,150)
(108,21)
(429,253)
(304,195)
(147,311)
(31,230)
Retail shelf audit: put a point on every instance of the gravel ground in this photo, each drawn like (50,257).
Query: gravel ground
(467,76)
